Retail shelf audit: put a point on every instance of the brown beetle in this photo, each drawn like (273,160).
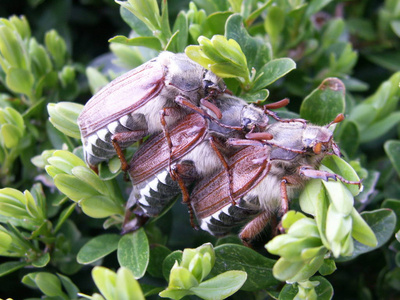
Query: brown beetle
(199,149)
(128,108)
(264,175)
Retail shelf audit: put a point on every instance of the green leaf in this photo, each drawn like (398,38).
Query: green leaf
(339,166)
(272,71)
(289,271)
(361,231)
(11,266)
(181,26)
(42,261)
(340,197)
(73,187)
(181,278)
(105,281)
(64,115)
(11,135)
(20,81)
(96,79)
(158,253)
(146,41)
(97,248)
(312,194)
(69,286)
(101,207)
(323,290)
(324,103)
(55,44)
(257,52)
(134,252)
(378,129)
(328,267)
(5,242)
(11,49)
(349,137)
(392,149)
(126,286)
(238,257)
(221,286)
(49,284)
(382,222)
(169,262)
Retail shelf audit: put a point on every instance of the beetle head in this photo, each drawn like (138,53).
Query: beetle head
(317,139)
(252,116)
(212,82)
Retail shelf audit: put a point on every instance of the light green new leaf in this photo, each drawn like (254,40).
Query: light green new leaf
(101,207)
(221,286)
(127,287)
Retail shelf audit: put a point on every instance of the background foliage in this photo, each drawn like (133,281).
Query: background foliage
(59,221)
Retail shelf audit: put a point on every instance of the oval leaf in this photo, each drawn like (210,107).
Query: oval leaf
(97,248)
(134,252)
(325,102)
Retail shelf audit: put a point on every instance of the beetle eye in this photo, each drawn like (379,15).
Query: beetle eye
(317,148)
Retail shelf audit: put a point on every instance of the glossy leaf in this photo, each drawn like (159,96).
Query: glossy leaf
(221,286)
(100,207)
(133,252)
(325,102)
(98,248)
(392,149)
(238,257)
(272,71)
(382,223)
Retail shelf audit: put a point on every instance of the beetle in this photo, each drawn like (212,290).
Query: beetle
(265,174)
(199,149)
(144,101)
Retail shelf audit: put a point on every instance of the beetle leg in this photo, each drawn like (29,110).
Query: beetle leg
(163,113)
(324,175)
(121,137)
(254,227)
(278,104)
(226,167)
(211,107)
(185,103)
(175,174)
(284,196)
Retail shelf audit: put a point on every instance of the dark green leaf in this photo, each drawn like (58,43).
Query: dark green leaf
(169,261)
(11,266)
(157,255)
(272,71)
(392,149)
(237,257)
(394,205)
(215,23)
(134,253)
(69,286)
(133,22)
(42,261)
(257,52)
(349,138)
(181,25)
(97,248)
(382,222)
(325,102)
